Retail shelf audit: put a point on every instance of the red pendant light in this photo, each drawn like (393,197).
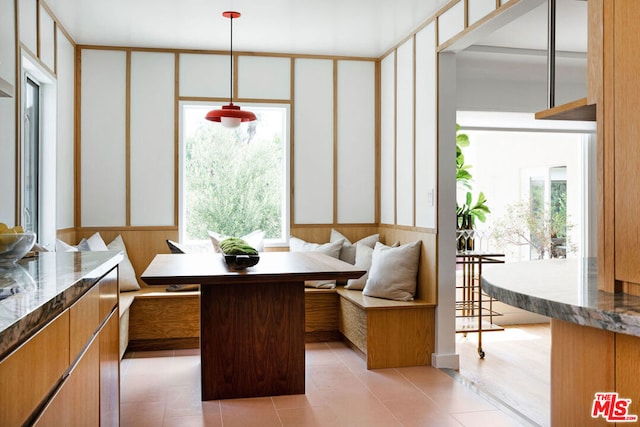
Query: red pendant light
(230,115)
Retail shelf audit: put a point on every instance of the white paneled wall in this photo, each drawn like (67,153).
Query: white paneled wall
(28,24)
(451,22)
(313,142)
(404,134)
(426,126)
(47,39)
(204,75)
(8,114)
(387,140)
(8,46)
(264,77)
(65,134)
(103,149)
(478,9)
(326,155)
(152,152)
(356,142)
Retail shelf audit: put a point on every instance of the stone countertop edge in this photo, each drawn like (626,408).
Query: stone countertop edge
(574,300)
(53,294)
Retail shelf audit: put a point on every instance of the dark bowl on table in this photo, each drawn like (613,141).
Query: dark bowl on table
(240,262)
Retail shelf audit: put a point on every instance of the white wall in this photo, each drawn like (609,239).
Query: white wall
(103,138)
(152,139)
(65,181)
(313,143)
(7,115)
(515,81)
(333,138)
(501,159)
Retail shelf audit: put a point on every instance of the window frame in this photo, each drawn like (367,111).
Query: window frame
(31,156)
(286,208)
(32,69)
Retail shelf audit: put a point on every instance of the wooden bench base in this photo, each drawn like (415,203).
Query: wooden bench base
(153,319)
(385,333)
(390,334)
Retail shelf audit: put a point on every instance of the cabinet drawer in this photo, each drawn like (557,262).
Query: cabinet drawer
(30,373)
(108,293)
(77,402)
(84,321)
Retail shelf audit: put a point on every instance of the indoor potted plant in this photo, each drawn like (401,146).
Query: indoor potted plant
(469,212)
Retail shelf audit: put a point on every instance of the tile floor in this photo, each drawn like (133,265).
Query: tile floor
(163,389)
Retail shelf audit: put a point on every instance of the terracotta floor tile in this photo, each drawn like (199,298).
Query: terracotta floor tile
(455,397)
(163,389)
(310,416)
(258,412)
(296,401)
(387,384)
(486,418)
(425,375)
(141,414)
(194,421)
(142,388)
(420,411)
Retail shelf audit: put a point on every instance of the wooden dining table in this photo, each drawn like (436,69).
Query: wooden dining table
(252,320)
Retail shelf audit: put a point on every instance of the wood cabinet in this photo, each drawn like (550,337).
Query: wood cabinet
(68,372)
(18,401)
(586,361)
(614,47)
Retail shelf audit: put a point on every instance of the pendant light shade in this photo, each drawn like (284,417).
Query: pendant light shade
(231,116)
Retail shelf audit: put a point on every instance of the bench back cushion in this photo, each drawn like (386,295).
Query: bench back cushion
(393,271)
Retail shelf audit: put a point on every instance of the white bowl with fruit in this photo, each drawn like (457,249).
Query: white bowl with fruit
(15,243)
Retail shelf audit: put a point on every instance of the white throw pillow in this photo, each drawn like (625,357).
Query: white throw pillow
(255,239)
(96,243)
(363,262)
(62,246)
(348,253)
(393,272)
(127,274)
(332,249)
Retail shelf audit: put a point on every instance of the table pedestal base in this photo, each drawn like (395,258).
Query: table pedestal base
(252,340)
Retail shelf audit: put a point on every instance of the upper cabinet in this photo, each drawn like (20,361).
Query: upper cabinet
(583,109)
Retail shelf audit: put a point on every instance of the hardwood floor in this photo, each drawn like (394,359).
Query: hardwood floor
(515,370)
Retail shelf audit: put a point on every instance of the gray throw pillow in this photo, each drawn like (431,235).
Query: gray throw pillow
(393,272)
(348,253)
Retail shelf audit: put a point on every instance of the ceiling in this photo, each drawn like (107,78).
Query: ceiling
(365,28)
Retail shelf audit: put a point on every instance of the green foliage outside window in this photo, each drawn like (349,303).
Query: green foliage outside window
(233,182)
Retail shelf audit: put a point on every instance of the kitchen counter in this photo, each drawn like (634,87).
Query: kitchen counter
(42,287)
(595,335)
(564,289)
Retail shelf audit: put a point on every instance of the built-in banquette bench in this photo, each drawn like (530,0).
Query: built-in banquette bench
(386,333)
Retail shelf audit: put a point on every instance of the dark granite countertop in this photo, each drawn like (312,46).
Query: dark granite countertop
(40,288)
(564,289)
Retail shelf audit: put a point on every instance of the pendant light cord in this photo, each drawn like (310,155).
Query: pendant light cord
(231,66)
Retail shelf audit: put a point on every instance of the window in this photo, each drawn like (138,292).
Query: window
(38,150)
(31,158)
(234,181)
(548,204)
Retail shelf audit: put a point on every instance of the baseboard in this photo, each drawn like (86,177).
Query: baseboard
(163,344)
(322,336)
(445,361)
